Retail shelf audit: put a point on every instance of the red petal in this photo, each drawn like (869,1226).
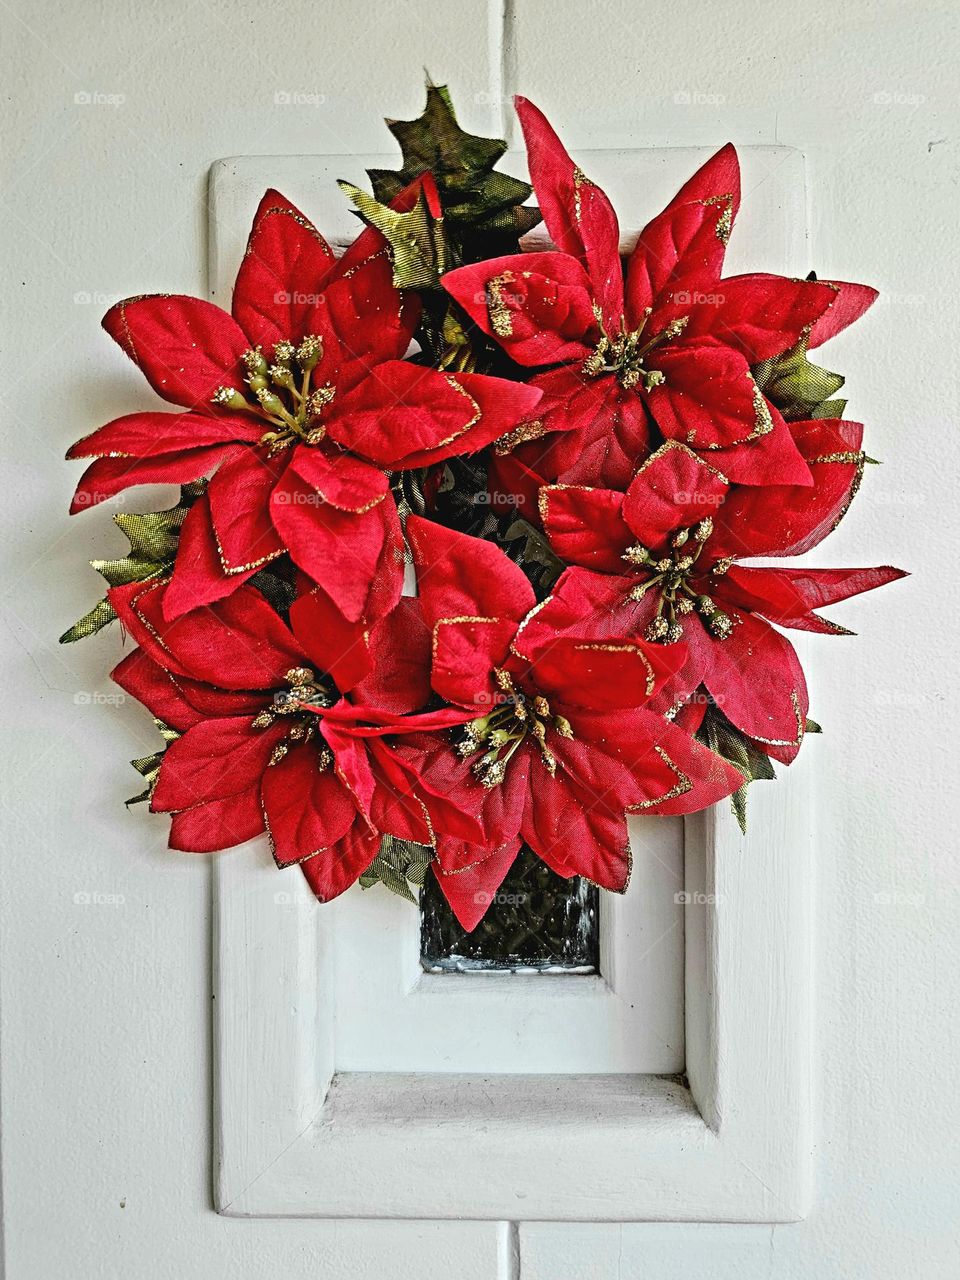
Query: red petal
(239,498)
(849,305)
(347,483)
(756,680)
(219,824)
(786,520)
(306,809)
(465,652)
(771,459)
(600,675)
(408,414)
(586,526)
(337,868)
(213,760)
(537,306)
(282,273)
(372,320)
(107,477)
(463,577)
(603,430)
(673,489)
(186,347)
(695,777)
(340,550)
(687,241)
(573,820)
(758,315)
(339,647)
(149,435)
(789,596)
(578,215)
(146,681)
(237,643)
(198,577)
(709,398)
(399,680)
(473,889)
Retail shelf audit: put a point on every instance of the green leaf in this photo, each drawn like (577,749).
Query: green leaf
(482,207)
(149,766)
(398,865)
(417,247)
(723,738)
(798,388)
(153,538)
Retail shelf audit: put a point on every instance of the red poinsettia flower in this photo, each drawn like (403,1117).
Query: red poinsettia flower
(666,340)
(301,402)
(664,564)
(268,741)
(557,744)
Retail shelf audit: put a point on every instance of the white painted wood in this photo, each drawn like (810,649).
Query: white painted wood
(391,1016)
(612,1146)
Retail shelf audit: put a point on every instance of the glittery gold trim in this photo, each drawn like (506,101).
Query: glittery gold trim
(678,444)
(441,622)
(859,460)
(679,788)
(277,210)
(725,220)
(477,414)
(626,648)
(543,497)
(786,742)
(501,320)
(519,435)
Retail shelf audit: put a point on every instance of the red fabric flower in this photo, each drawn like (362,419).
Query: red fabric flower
(667,340)
(268,739)
(302,403)
(558,744)
(668,550)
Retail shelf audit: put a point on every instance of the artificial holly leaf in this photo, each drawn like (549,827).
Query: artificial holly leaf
(149,766)
(483,207)
(797,387)
(398,865)
(153,538)
(417,247)
(717,733)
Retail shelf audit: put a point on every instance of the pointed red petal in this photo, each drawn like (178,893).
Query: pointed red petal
(149,435)
(472,890)
(686,242)
(186,347)
(239,499)
(213,760)
(459,576)
(586,526)
(577,213)
(218,824)
(849,305)
(237,643)
(306,808)
(198,577)
(334,870)
(280,281)
(537,306)
(107,477)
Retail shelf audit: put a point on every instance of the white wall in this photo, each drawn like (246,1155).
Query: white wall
(105,1051)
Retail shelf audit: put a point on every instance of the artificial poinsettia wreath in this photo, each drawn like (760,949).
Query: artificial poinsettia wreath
(581,453)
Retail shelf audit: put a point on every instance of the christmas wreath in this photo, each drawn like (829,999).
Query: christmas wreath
(580,454)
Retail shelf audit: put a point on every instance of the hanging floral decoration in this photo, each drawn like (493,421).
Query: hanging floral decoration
(584,455)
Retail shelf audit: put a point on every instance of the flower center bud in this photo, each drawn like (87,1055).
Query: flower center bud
(499,734)
(281,392)
(673,578)
(305,692)
(623,354)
